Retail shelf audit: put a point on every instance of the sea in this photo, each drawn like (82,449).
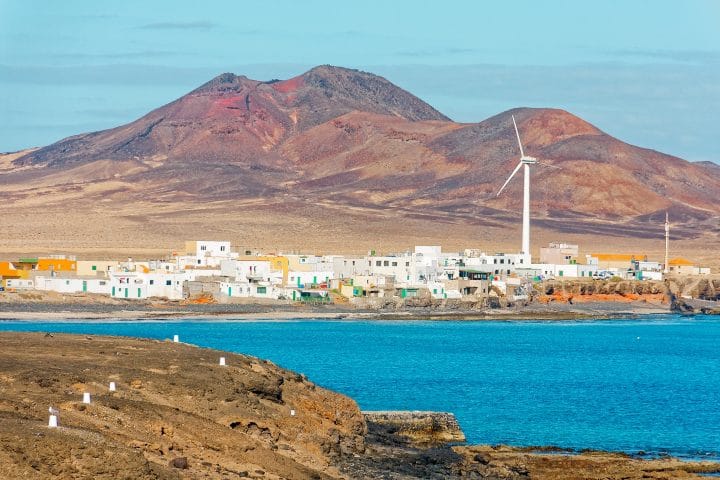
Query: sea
(648,386)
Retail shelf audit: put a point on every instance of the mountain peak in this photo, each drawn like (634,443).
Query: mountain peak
(374,93)
(226,82)
(542,126)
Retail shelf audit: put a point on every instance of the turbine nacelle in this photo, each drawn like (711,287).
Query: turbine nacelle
(524,159)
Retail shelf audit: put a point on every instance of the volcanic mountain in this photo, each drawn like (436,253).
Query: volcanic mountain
(346,154)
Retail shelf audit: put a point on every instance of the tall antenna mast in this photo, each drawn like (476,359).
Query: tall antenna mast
(667,244)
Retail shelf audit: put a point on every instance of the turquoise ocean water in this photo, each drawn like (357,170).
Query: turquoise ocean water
(650,385)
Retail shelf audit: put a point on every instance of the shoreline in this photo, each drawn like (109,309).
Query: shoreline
(339,315)
(87,308)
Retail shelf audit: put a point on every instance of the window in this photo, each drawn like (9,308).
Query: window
(222,248)
(378,263)
(502,260)
(386,263)
(94,268)
(168,282)
(102,282)
(67,282)
(495,260)
(199,262)
(407,264)
(261,290)
(394,264)
(152,282)
(353,262)
(203,247)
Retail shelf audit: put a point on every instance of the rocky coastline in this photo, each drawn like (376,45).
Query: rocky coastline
(177,412)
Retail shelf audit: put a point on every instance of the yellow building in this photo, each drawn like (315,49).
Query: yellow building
(95,267)
(277,262)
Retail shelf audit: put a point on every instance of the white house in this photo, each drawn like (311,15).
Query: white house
(250,270)
(348,267)
(204,253)
(140,285)
(73,284)
(307,278)
(241,289)
(19,283)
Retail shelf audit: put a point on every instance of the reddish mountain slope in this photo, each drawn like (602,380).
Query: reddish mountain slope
(349,138)
(232,119)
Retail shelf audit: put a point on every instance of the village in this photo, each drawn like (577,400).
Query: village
(212,269)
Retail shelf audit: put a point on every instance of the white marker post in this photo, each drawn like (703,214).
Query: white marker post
(53,420)
(112,386)
(222,361)
(292,413)
(86,397)
(176,338)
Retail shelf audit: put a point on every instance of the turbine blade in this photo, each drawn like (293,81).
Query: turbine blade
(509,178)
(549,165)
(522,154)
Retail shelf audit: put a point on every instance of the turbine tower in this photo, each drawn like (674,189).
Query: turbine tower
(666,270)
(525,161)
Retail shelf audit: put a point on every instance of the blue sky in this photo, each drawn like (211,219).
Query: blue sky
(647,72)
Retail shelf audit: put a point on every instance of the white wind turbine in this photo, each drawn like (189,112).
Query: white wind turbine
(525,161)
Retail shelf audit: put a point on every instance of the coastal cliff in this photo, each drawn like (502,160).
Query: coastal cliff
(177,413)
(417,428)
(175,409)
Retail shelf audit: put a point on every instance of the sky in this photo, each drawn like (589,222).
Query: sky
(646,72)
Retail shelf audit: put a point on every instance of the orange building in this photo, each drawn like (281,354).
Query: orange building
(615,260)
(682,266)
(56,264)
(8,270)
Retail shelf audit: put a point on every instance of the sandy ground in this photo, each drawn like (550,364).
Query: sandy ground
(109,230)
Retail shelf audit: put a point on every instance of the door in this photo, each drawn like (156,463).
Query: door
(84,285)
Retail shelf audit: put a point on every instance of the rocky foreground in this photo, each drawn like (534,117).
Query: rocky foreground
(177,413)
